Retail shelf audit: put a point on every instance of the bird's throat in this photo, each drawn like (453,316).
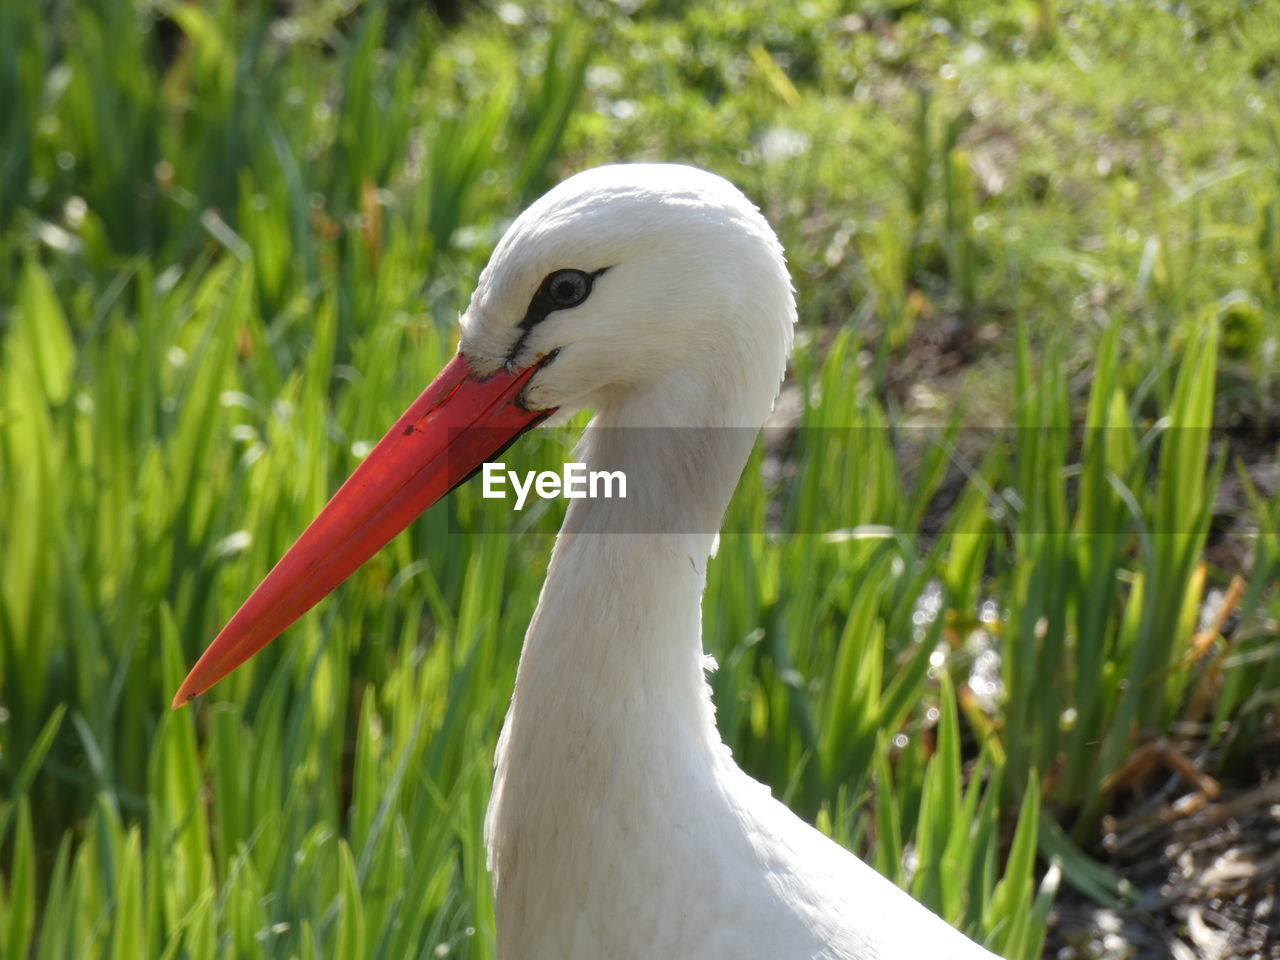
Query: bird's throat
(611,735)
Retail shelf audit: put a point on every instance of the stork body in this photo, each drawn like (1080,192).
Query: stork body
(619,826)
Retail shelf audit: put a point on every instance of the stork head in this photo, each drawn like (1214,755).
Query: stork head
(626,275)
(655,279)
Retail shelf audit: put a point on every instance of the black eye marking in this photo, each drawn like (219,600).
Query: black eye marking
(559,290)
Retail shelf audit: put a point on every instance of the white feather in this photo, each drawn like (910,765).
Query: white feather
(620,827)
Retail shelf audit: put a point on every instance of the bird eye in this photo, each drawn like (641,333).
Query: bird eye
(567,288)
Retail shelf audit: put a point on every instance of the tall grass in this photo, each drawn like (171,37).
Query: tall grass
(232,248)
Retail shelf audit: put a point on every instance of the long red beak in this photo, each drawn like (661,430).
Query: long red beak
(457,423)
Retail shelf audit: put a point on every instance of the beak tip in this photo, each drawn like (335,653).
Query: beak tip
(182,698)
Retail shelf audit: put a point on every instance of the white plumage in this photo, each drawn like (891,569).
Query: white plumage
(620,827)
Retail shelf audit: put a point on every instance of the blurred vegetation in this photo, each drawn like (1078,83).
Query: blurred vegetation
(234,240)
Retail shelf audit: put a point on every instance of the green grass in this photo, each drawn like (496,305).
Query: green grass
(233,247)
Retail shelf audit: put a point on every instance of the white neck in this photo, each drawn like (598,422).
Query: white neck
(610,687)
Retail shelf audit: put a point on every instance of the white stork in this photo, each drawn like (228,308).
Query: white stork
(620,828)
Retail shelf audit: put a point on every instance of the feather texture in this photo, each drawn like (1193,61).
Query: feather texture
(620,826)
